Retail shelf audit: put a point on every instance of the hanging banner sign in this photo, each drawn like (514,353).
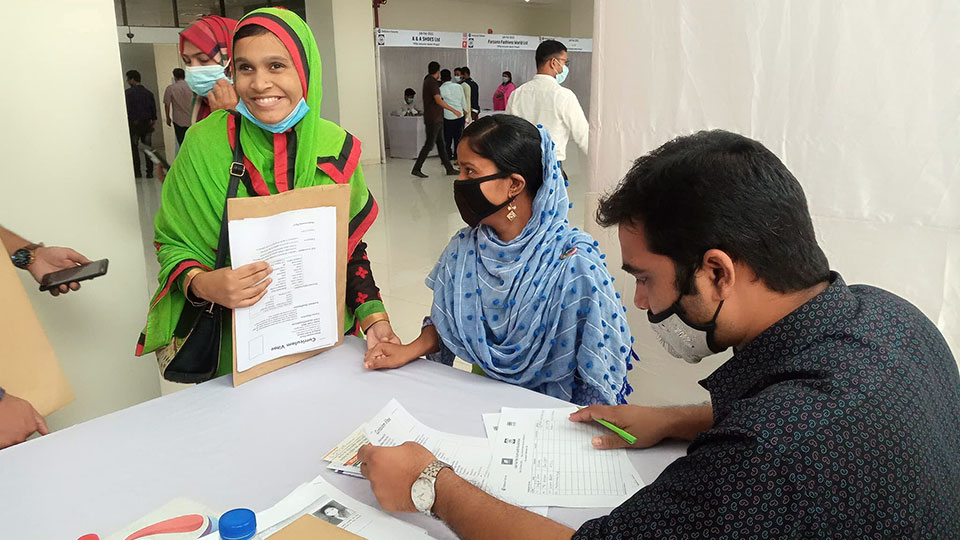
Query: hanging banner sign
(421,38)
(502,41)
(573,44)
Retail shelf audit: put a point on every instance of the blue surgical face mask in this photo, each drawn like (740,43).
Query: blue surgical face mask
(201,79)
(409,101)
(562,76)
(291,120)
(456,78)
(505,80)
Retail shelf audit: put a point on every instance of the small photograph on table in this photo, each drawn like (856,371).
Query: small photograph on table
(333,513)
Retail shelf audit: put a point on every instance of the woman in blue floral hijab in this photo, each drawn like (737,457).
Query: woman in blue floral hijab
(519,293)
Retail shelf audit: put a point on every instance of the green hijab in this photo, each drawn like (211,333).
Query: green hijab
(314,152)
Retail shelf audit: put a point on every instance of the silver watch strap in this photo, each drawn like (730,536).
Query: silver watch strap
(433,469)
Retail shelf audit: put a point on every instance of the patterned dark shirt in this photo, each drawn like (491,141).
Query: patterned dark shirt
(841,420)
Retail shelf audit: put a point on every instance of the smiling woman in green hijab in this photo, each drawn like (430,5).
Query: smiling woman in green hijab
(286,145)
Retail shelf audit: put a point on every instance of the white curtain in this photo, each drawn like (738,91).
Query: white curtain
(405,67)
(487,67)
(860,99)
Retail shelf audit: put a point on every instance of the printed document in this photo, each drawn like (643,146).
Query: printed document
(299,311)
(541,458)
(319,498)
(469,456)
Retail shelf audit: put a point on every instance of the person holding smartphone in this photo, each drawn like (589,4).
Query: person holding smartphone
(40,260)
(18,418)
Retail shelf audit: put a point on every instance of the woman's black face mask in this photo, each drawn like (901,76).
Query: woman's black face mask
(472,203)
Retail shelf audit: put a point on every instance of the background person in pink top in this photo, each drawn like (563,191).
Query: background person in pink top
(502,95)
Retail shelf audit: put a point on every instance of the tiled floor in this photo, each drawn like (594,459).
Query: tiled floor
(417,218)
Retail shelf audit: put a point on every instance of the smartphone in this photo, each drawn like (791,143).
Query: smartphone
(66,276)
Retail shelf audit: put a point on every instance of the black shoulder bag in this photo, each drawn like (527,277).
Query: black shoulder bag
(194,353)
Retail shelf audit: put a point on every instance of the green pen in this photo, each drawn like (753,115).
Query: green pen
(621,433)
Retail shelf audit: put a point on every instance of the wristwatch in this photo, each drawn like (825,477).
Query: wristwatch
(423,492)
(24,257)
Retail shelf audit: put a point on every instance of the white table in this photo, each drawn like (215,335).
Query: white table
(249,447)
(406,135)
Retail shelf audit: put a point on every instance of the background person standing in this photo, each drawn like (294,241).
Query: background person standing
(474,92)
(141,119)
(542,100)
(177,103)
(452,93)
(433,106)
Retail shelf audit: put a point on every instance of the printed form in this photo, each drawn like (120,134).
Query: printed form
(469,456)
(541,458)
(299,311)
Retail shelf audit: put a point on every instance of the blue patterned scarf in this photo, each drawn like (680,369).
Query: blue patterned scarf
(539,311)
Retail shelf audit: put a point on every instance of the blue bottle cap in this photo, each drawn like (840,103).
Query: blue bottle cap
(238,524)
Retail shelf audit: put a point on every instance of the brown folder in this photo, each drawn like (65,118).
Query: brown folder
(28,367)
(337,196)
(307,527)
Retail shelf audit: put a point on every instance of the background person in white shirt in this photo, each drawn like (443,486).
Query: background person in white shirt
(543,101)
(452,94)
(467,89)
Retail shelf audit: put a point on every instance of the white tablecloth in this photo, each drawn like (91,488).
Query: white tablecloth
(406,135)
(248,447)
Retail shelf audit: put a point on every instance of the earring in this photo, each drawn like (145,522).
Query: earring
(511,211)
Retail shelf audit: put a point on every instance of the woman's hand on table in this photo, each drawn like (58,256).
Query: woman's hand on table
(380,332)
(231,288)
(390,355)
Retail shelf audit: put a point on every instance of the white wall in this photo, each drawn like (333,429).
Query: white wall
(80,194)
(467,16)
(320,19)
(858,98)
(356,69)
(581,18)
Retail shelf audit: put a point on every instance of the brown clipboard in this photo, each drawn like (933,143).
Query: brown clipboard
(308,527)
(28,366)
(337,196)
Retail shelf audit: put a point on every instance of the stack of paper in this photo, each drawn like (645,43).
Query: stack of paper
(322,500)
(541,458)
(343,457)
(531,457)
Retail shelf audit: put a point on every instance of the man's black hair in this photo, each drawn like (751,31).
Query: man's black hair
(433,67)
(133,74)
(720,190)
(547,50)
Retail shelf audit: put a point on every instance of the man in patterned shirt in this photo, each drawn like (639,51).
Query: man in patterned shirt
(838,415)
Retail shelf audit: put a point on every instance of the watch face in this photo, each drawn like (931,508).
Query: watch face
(423,494)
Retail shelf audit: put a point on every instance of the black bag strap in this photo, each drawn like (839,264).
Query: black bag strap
(237,171)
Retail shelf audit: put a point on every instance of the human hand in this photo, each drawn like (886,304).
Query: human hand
(169,123)
(160,173)
(380,332)
(231,288)
(392,472)
(389,355)
(18,420)
(458,113)
(222,96)
(51,259)
(648,424)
